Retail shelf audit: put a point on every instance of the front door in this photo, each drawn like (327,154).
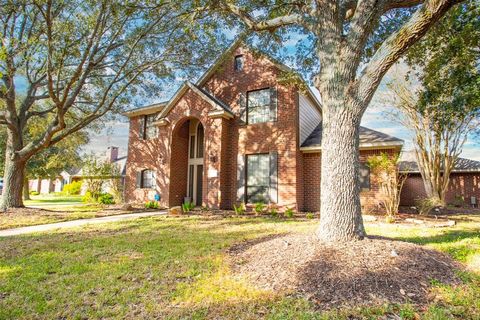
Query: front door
(195,163)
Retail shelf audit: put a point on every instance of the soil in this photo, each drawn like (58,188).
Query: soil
(370,271)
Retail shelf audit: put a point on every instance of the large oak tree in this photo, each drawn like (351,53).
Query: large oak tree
(355,43)
(85,59)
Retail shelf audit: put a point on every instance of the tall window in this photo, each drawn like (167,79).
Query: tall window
(149,128)
(200,135)
(148,179)
(364,176)
(258,177)
(238,64)
(258,106)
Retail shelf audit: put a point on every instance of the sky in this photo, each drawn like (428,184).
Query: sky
(376,117)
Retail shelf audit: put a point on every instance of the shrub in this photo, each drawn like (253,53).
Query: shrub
(259,207)
(188,206)
(289,213)
(428,204)
(151,205)
(87,197)
(240,209)
(106,198)
(273,210)
(309,215)
(34,193)
(73,188)
(389,219)
(459,201)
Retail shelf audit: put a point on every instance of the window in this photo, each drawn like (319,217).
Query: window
(364,176)
(258,106)
(148,179)
(258,177)
(149,128)
(200,136)
(238,64)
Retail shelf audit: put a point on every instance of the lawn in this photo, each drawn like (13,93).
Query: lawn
(176,268)
(52,208)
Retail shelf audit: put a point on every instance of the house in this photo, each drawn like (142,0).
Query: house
(239,134)
(48,185)
(463,189)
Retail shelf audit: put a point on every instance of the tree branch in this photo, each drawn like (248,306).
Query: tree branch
(399,42)
(264,25)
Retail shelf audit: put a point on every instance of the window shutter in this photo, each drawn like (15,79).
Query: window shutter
(141,127)
(273,190)
(242,104)
(241,178)
(273,104)
(139,179)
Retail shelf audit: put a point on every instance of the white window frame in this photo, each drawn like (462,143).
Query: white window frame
(263,107)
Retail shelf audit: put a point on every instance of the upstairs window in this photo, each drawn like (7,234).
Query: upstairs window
(238,64)
(259,106)
(149,129)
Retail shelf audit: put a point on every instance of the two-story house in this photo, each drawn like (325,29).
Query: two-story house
(241,133)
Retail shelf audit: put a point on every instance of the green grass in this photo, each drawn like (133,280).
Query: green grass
(52,208)
(176,268)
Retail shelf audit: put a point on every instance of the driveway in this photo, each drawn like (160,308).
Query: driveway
(77,223)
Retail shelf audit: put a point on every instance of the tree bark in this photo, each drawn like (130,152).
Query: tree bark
(340,210)
(13,184)
(14,172)
(26,191)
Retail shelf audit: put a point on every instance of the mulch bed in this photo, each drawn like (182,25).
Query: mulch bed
(371,271)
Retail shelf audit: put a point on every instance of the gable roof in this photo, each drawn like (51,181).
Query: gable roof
(215,102)
(164,107)
(150,109)
(240,42)
(368,138)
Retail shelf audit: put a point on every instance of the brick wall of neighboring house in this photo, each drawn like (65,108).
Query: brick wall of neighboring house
(464,185)
(312,172)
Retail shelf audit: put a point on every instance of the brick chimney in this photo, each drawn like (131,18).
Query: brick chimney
(112,154)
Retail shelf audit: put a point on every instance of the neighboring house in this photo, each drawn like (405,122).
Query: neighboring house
(464,186)
(47,185)
(239,134)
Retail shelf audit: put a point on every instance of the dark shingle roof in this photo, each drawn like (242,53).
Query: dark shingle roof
(366,136)
(463,165)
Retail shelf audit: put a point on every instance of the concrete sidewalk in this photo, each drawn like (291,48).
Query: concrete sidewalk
(77,223)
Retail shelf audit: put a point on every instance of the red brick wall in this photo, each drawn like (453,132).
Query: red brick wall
(280,136)
(311,177)
(178,165)
(461,184)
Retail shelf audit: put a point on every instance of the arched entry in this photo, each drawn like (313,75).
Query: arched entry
(186,162)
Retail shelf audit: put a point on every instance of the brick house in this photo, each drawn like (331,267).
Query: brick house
(241,133)
(463,189)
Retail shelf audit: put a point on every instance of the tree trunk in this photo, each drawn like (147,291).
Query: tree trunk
(340,210)
(13,184)
(26,191)
(14,172)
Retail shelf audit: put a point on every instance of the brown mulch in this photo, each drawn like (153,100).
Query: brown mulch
(364,272)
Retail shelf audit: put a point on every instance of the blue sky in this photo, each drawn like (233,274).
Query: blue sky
(116,132)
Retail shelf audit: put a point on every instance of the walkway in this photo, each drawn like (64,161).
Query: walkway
(77,223)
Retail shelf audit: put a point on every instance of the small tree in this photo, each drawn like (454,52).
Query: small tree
(96,173)
(391,181)
(445,107)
